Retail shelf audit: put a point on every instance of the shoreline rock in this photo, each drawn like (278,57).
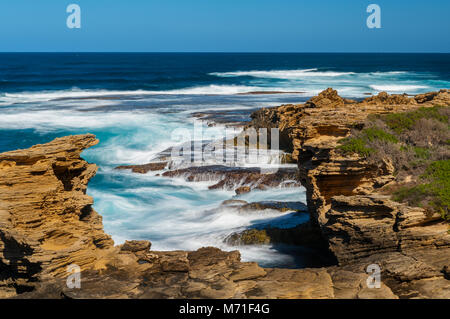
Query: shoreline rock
(359,223)
(46,219)
(241,180)
(144,168)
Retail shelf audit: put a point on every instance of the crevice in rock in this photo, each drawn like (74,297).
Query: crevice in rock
(446,272)
(86,213)
(38,173)
(66,175)
(18,269)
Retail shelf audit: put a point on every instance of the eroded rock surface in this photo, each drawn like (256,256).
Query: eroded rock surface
(46,218)
(343,191)
(209,273)
(47,223)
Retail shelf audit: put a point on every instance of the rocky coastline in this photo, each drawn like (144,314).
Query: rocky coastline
(47,222)
(361,224)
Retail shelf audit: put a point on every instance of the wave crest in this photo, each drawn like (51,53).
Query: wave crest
(282,74)
(398,88)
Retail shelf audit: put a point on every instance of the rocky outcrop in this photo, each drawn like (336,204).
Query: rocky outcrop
(210,273)
(314,129)
(242,180)
(327,99)
(144,168)
(360,225)
(46,218)
(304,235)
(244,207)
(47,223)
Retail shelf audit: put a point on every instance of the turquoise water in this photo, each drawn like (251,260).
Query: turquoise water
(171,213)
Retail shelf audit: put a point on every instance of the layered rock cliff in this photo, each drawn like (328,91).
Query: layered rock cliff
(360,224)
(46,218)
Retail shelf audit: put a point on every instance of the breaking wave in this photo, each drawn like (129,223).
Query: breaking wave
(398,88)
(282,74)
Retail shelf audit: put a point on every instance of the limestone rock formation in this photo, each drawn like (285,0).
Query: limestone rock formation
(327,98)
(360,225)
(211,273)
(46,218)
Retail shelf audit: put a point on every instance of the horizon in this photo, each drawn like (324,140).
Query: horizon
(213,52)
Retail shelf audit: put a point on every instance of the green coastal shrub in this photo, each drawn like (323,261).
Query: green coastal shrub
(439,173)
(422,152)
(355,145)
(373,133)
(414,196)
(417,143)
(433,193)
(360,144)
(399,122)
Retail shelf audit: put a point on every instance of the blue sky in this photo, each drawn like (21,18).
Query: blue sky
(225,26)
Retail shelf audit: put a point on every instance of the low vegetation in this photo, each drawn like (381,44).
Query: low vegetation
(417,145)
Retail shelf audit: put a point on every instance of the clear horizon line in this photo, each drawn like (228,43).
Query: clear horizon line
(231,52)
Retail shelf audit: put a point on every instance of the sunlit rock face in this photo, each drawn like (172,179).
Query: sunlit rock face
(47,221)
(360,224)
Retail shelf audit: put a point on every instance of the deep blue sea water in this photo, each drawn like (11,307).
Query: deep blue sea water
(133,103)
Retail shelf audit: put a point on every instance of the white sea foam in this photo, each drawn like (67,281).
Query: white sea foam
(283,74)
(310,81)
(398,88)
(68,119)
(388,73)
(43,96)
(214,89)
(185,218)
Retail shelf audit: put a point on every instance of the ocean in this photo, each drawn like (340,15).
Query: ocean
(133,102)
